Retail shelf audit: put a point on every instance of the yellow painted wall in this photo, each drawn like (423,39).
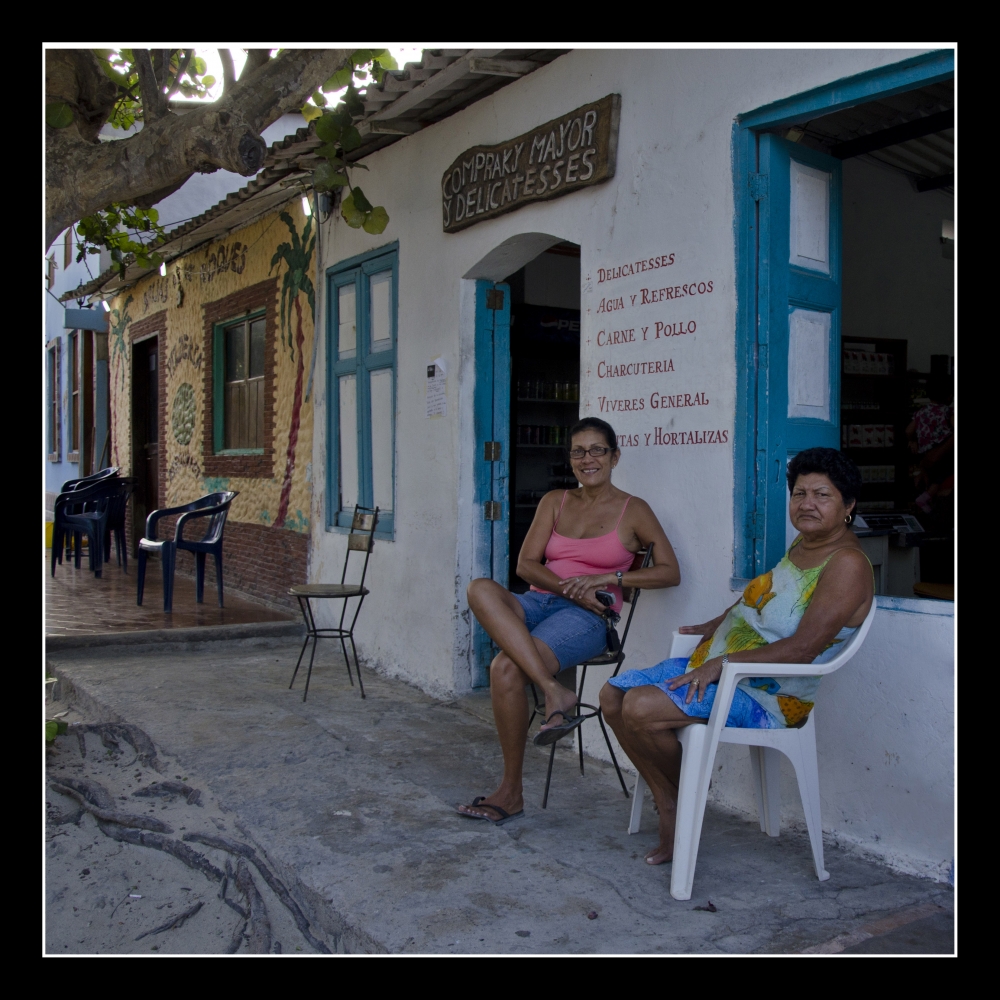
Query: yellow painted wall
(207,274)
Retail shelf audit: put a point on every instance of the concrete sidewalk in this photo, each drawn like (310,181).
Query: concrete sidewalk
(353,802)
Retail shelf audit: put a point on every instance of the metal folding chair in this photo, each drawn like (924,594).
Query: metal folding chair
(643,559)
(361,539)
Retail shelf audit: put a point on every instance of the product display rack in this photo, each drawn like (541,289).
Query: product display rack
(874,414)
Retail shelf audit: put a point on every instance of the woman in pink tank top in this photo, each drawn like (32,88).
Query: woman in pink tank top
(580,541)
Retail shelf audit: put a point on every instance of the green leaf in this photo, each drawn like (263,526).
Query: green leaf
(353,103)
(326,176)
(352,216)
(311,112)
(363,204)
(327,128)
(319,99)
(330,151)
(197,66)
(54,728)
(208,81)
(339,80)
(350,139)
(58,114)
(376,221)
(341,116)
(386,60)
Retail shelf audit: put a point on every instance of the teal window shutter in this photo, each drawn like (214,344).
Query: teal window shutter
(362,320)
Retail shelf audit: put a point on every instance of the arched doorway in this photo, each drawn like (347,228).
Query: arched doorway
(526,397)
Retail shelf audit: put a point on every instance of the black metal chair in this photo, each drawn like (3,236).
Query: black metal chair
(361,539)
(214,506)
(643,560)
(86,510)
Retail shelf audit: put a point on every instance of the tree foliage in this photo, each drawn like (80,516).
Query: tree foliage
(106,189)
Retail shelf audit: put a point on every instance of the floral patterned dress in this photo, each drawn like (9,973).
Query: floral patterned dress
(772,607)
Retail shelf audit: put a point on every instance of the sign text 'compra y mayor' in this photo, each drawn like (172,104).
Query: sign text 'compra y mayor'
(571,152)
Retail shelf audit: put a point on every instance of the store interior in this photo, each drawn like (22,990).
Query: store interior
(544,384)
(897,328)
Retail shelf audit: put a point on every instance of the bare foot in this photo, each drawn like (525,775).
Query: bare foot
(660,855)
(486,809)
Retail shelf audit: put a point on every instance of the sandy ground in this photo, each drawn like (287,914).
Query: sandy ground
(104,896)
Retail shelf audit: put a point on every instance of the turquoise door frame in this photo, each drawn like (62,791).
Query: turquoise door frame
(492,429)
(769,286)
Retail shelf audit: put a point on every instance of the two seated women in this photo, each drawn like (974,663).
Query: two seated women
(797,612)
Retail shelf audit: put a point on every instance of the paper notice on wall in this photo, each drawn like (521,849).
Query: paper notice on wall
(437,389)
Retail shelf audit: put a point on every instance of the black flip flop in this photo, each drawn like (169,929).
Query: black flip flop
(504,815)
(546,737)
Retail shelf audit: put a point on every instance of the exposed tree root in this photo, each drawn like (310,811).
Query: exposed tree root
(257,921)
(246,851)
(168,789)
(146,831)
(171,924)
(111,733)
(105,815)
(179,850)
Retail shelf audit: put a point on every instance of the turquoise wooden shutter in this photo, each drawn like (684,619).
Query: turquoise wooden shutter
(492,428)
(798,336)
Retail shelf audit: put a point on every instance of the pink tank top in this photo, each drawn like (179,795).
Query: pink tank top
(568,557)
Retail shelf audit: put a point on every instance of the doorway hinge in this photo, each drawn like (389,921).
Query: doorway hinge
(491,510)
(491,451)
(758,186)
(494,298)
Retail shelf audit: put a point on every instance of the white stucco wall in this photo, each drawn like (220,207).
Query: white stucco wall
(885,739)
(672,194)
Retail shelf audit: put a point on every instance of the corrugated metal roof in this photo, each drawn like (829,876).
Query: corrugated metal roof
(407,100)
(922,159)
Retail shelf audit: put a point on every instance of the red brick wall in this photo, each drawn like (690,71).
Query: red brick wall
(262,295)
(257,561)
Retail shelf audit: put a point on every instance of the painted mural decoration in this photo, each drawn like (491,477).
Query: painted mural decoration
(281,244)
(297,257)
(184,413)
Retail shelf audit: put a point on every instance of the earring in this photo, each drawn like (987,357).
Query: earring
(847,520)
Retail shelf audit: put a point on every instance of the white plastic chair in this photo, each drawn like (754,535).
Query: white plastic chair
(700,743)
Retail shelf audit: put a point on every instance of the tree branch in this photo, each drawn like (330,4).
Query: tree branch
(228,70)
(154,105)
(82,178)
(255,59)
(183,61)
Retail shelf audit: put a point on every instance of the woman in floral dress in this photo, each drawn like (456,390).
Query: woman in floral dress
(797,612)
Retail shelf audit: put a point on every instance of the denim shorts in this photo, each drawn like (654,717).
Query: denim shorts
(573,633)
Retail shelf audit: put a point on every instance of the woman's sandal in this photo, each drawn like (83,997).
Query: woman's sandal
(546,737)
(502,813)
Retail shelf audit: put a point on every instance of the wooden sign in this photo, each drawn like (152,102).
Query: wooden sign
(566,154)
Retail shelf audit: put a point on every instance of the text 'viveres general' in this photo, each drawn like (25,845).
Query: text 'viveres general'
(574,151)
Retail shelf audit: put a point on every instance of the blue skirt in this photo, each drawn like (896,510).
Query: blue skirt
(744,714)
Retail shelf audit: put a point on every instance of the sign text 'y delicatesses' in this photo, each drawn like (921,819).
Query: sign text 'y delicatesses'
(571,152)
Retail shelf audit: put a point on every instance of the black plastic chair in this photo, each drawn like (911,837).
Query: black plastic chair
(643,559)
(116,522)
(73,484)
(86,511)
(361,539)
(214,506)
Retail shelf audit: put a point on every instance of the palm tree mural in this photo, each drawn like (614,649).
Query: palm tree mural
(297,255)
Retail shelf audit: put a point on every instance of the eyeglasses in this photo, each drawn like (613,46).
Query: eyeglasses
(597,451)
